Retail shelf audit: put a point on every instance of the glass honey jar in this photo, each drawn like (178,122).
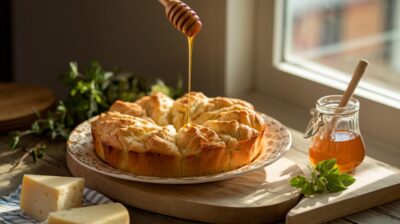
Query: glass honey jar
(335,133)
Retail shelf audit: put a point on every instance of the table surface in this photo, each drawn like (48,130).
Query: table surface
(54,163)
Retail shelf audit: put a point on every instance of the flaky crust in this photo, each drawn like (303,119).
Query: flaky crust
(128,108)
(157,106)
(151,137)
(179,110)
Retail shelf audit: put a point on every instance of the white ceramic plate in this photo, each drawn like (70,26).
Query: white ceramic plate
(80,147)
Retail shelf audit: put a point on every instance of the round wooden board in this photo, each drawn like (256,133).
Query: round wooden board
(18,102)
(263,196)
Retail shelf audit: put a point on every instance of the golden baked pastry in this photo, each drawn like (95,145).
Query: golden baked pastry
(150,137)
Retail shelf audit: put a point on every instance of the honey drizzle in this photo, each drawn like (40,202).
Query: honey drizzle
(190,48)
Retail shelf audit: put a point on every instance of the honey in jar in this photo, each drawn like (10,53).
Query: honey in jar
(337,135)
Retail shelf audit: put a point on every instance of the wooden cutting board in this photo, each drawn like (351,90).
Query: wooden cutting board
(376,183)
(263,196)
(18,103)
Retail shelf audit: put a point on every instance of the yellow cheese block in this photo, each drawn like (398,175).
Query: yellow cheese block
(112,213)
(41,195)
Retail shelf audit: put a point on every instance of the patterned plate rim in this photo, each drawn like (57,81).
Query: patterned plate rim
(120,174)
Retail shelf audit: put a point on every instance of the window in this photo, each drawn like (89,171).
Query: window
(305,49)
(332,35)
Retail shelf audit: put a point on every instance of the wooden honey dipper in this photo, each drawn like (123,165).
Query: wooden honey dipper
(182,17)
(357,75)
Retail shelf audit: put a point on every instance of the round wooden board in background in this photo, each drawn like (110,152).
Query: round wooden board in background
(18,103)
(263,196)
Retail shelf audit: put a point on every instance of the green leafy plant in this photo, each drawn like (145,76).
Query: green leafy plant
(91,91)
(325,177)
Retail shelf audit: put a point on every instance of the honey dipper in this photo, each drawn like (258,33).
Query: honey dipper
(357,75)
(182,17)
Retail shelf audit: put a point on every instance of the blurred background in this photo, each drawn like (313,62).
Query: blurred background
(39,39)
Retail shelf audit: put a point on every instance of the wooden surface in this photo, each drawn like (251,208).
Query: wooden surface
(376,184)
(263,196)
(18,103)
(55,164)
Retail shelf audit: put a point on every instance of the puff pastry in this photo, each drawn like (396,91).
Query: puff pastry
(150,137)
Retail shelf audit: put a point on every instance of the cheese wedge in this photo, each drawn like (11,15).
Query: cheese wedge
(112,213)
(41,195)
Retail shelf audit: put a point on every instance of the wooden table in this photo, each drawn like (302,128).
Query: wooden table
(54,163)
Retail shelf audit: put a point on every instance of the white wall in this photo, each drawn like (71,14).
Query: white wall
(134,35)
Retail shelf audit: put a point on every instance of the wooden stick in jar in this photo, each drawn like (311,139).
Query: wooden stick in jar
(357,75)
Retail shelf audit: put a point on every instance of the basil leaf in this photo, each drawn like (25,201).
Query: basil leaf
(321,184)
(324,177)
(346,179)
(307,189)
(298,181)
(14,142)
(325,165)
(74,70)
(334,184)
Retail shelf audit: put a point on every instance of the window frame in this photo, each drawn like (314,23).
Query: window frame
(288,83)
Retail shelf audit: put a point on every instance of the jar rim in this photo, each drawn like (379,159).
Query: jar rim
(329,105)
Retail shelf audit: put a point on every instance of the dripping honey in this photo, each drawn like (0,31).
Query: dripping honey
(189,84)
(345,146)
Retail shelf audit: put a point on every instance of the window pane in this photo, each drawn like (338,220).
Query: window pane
(337,33)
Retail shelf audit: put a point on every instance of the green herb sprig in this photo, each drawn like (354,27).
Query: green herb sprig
(91,91)
(325,177)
